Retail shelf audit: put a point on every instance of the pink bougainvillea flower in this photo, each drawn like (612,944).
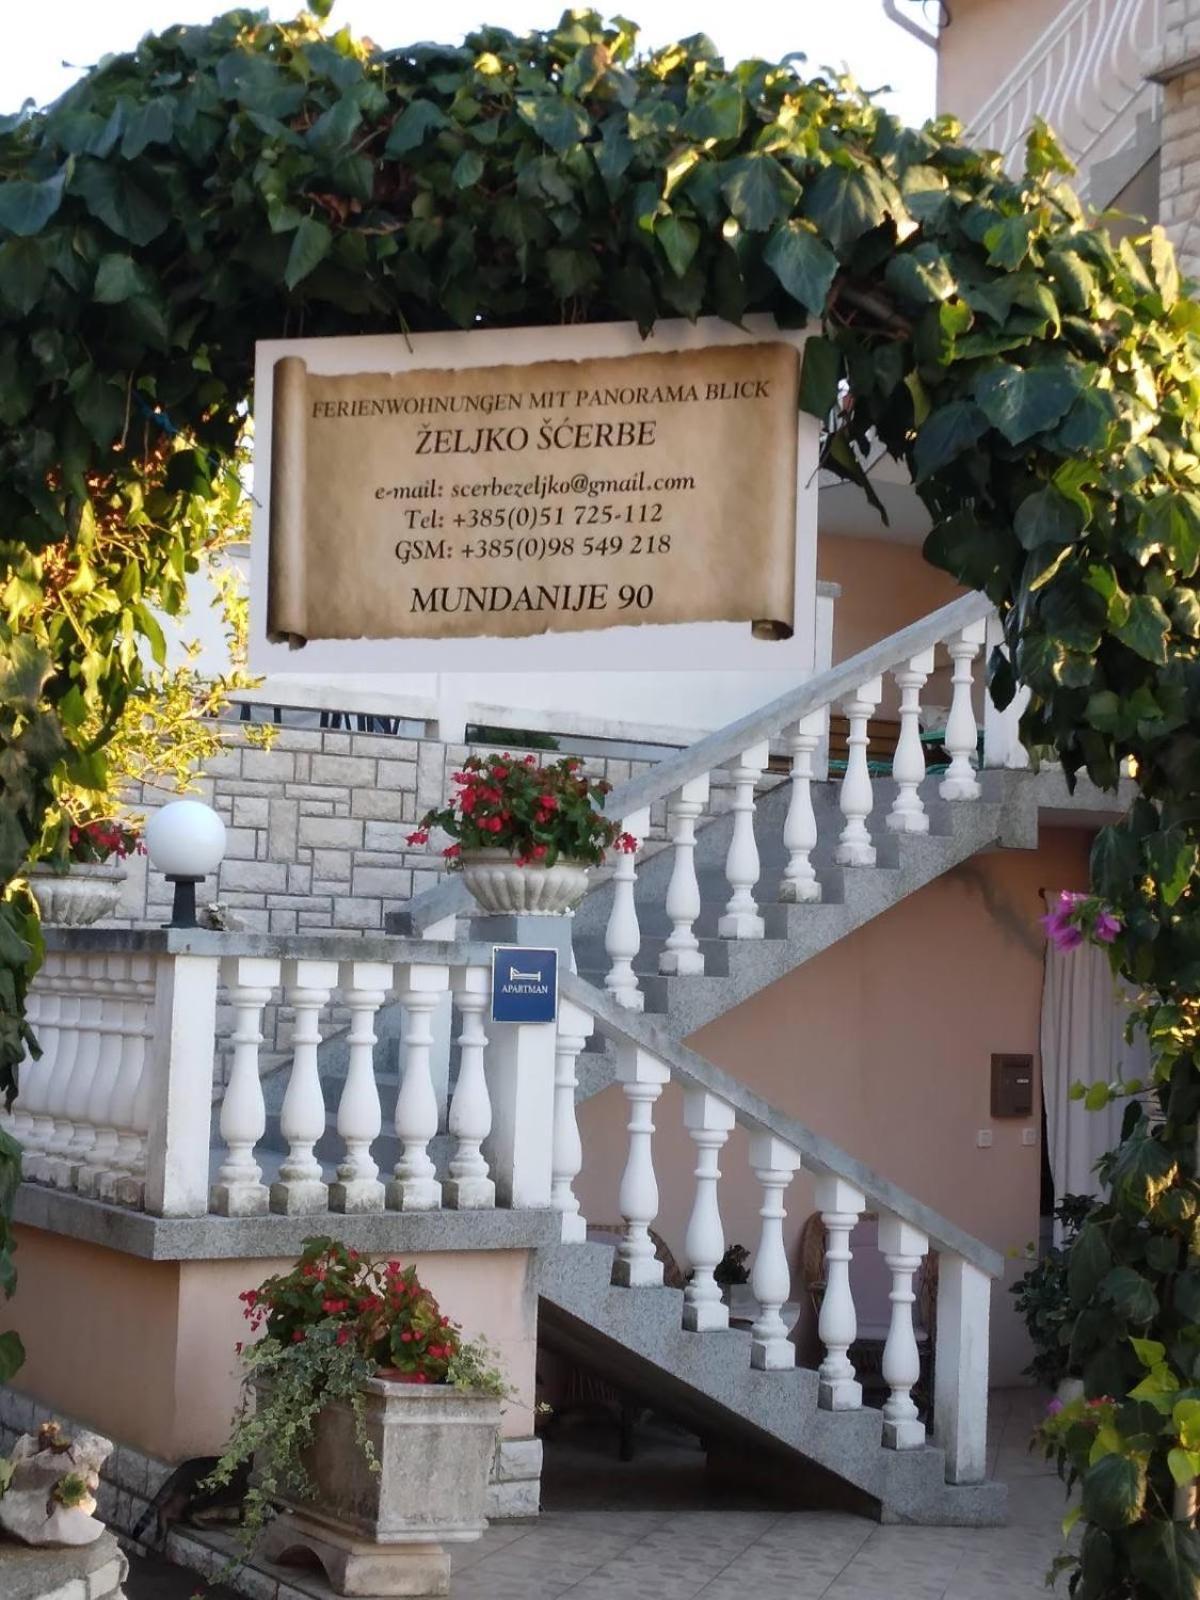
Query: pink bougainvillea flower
(1107,927)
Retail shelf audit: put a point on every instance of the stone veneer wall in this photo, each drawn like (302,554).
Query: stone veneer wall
(317,827)
(1179,179)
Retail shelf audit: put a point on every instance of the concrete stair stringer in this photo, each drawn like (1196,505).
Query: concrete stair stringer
(706,1380)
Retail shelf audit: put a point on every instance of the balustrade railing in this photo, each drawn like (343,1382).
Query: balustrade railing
(1085,77)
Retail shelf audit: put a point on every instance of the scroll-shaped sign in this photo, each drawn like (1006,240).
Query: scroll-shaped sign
(523,499)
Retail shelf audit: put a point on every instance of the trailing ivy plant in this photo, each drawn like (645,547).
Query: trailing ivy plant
(253,179)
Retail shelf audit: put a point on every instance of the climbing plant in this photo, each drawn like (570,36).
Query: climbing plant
(253,179)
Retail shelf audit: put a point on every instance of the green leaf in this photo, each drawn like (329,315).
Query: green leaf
(311,243)
(332,132)
(1088,1263)
(100,406)
(1047,517)
(1114,861)
(22,274)
(418,119)
(680,240)
(111,195)
(1129,1294)
(1164,1557)
(819,374)
(468,169)
(949,431)
(1171,859)
(153,122)
(803,263)
(1008,242)
(560,123)
(12,1356)
(1148,1351)
(921,276)
(758,190)
(1171,522)
(571,272)
(1114,1492)
(846,202)
(26,207)
(118,277)
(1022,401)
(1146,628)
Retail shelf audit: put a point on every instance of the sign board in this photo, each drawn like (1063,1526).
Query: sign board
(533,499)
(524,984)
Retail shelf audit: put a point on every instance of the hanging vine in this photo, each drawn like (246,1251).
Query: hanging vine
(253,179)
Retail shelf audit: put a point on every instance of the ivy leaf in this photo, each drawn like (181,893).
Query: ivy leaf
(803,263)
(1087,1264)
(1114,1492)
(1146,628)
(100,406)
(1047,517)
(1129,1295)
(12,1355)
(118,277)
(758,190)
(26,207)
(468,169)
(111,195)
(311,243)
(571,272)
(1008,242)
(151,123)
(819,374)
(1022,401)
(1171,859)
(560,123)
(1164,1557)
(949,431)
(921,276)
(680,240)
(418,119)
(22,274)
(331,133)
(1171,522)
(846,202)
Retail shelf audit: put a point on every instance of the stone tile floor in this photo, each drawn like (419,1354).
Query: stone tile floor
(656,1529)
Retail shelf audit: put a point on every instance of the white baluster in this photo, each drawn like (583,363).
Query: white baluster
(124,1183)
(101,1102)
(300,1188)
(65,1169)
(908,764)
(239,1190)
(962,732)
(775,1164)
(574,1029)
(741,919)
(1002,745)
(360,1119)
(623,937)
(840,1205)
(856,798)
(799,884)
(642,1076)
(709,1120)
(682,954)
(903,1248)
(70,1007)
(41,1131)
(469,1186)
(415,1186)
(28,1124)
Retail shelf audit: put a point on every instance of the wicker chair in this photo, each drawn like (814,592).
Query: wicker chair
(867,1350)
(585,1391)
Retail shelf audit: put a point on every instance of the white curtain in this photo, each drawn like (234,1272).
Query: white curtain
(1083,1023)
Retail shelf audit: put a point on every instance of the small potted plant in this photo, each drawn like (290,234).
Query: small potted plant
(525,836)
(82,881)
(1044,1303)
(368,1417)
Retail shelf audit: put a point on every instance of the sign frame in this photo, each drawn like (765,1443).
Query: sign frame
(530,954)
(652,647)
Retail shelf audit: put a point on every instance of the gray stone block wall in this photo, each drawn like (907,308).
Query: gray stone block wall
(1179,174)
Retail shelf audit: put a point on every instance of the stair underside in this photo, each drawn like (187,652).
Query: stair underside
(635,1337)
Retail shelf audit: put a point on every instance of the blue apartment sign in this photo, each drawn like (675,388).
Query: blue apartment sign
(524,984)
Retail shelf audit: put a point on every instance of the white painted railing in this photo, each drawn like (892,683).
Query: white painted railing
(118,1109)
(1085,76)
(801,719)
(713,1104)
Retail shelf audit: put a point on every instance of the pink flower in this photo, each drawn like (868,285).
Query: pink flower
(1063,935)
(1107,927)
(1054,1407)
(420,836)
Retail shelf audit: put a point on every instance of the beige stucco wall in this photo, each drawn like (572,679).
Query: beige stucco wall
(982,45)
(144,1350)
(883,1043)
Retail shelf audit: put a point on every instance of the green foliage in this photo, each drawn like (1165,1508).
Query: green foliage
(253,179)
(1043,1299)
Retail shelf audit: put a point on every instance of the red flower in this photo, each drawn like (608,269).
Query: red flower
(626,844)
(451,851)
(548,802)
(500,772)
(531,761)
(298,1336)
(334,1306)
(343,1335)
(419,836)
(539,850)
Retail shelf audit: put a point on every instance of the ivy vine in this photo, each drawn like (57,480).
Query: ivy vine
(253,179)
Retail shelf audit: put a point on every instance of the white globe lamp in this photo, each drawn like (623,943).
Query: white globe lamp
(185,840)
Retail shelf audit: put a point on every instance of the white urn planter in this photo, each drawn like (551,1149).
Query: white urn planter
(381,1533)
(500,886)
(88,891)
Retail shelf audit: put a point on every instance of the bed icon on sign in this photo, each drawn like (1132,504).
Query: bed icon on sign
(524,984)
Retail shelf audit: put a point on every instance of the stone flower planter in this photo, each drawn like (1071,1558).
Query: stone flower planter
(89,891)
(499,885)
(380,1533)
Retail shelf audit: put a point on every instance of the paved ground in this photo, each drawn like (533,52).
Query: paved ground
(655,1530)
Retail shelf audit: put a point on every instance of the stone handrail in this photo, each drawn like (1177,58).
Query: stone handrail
(448,899)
